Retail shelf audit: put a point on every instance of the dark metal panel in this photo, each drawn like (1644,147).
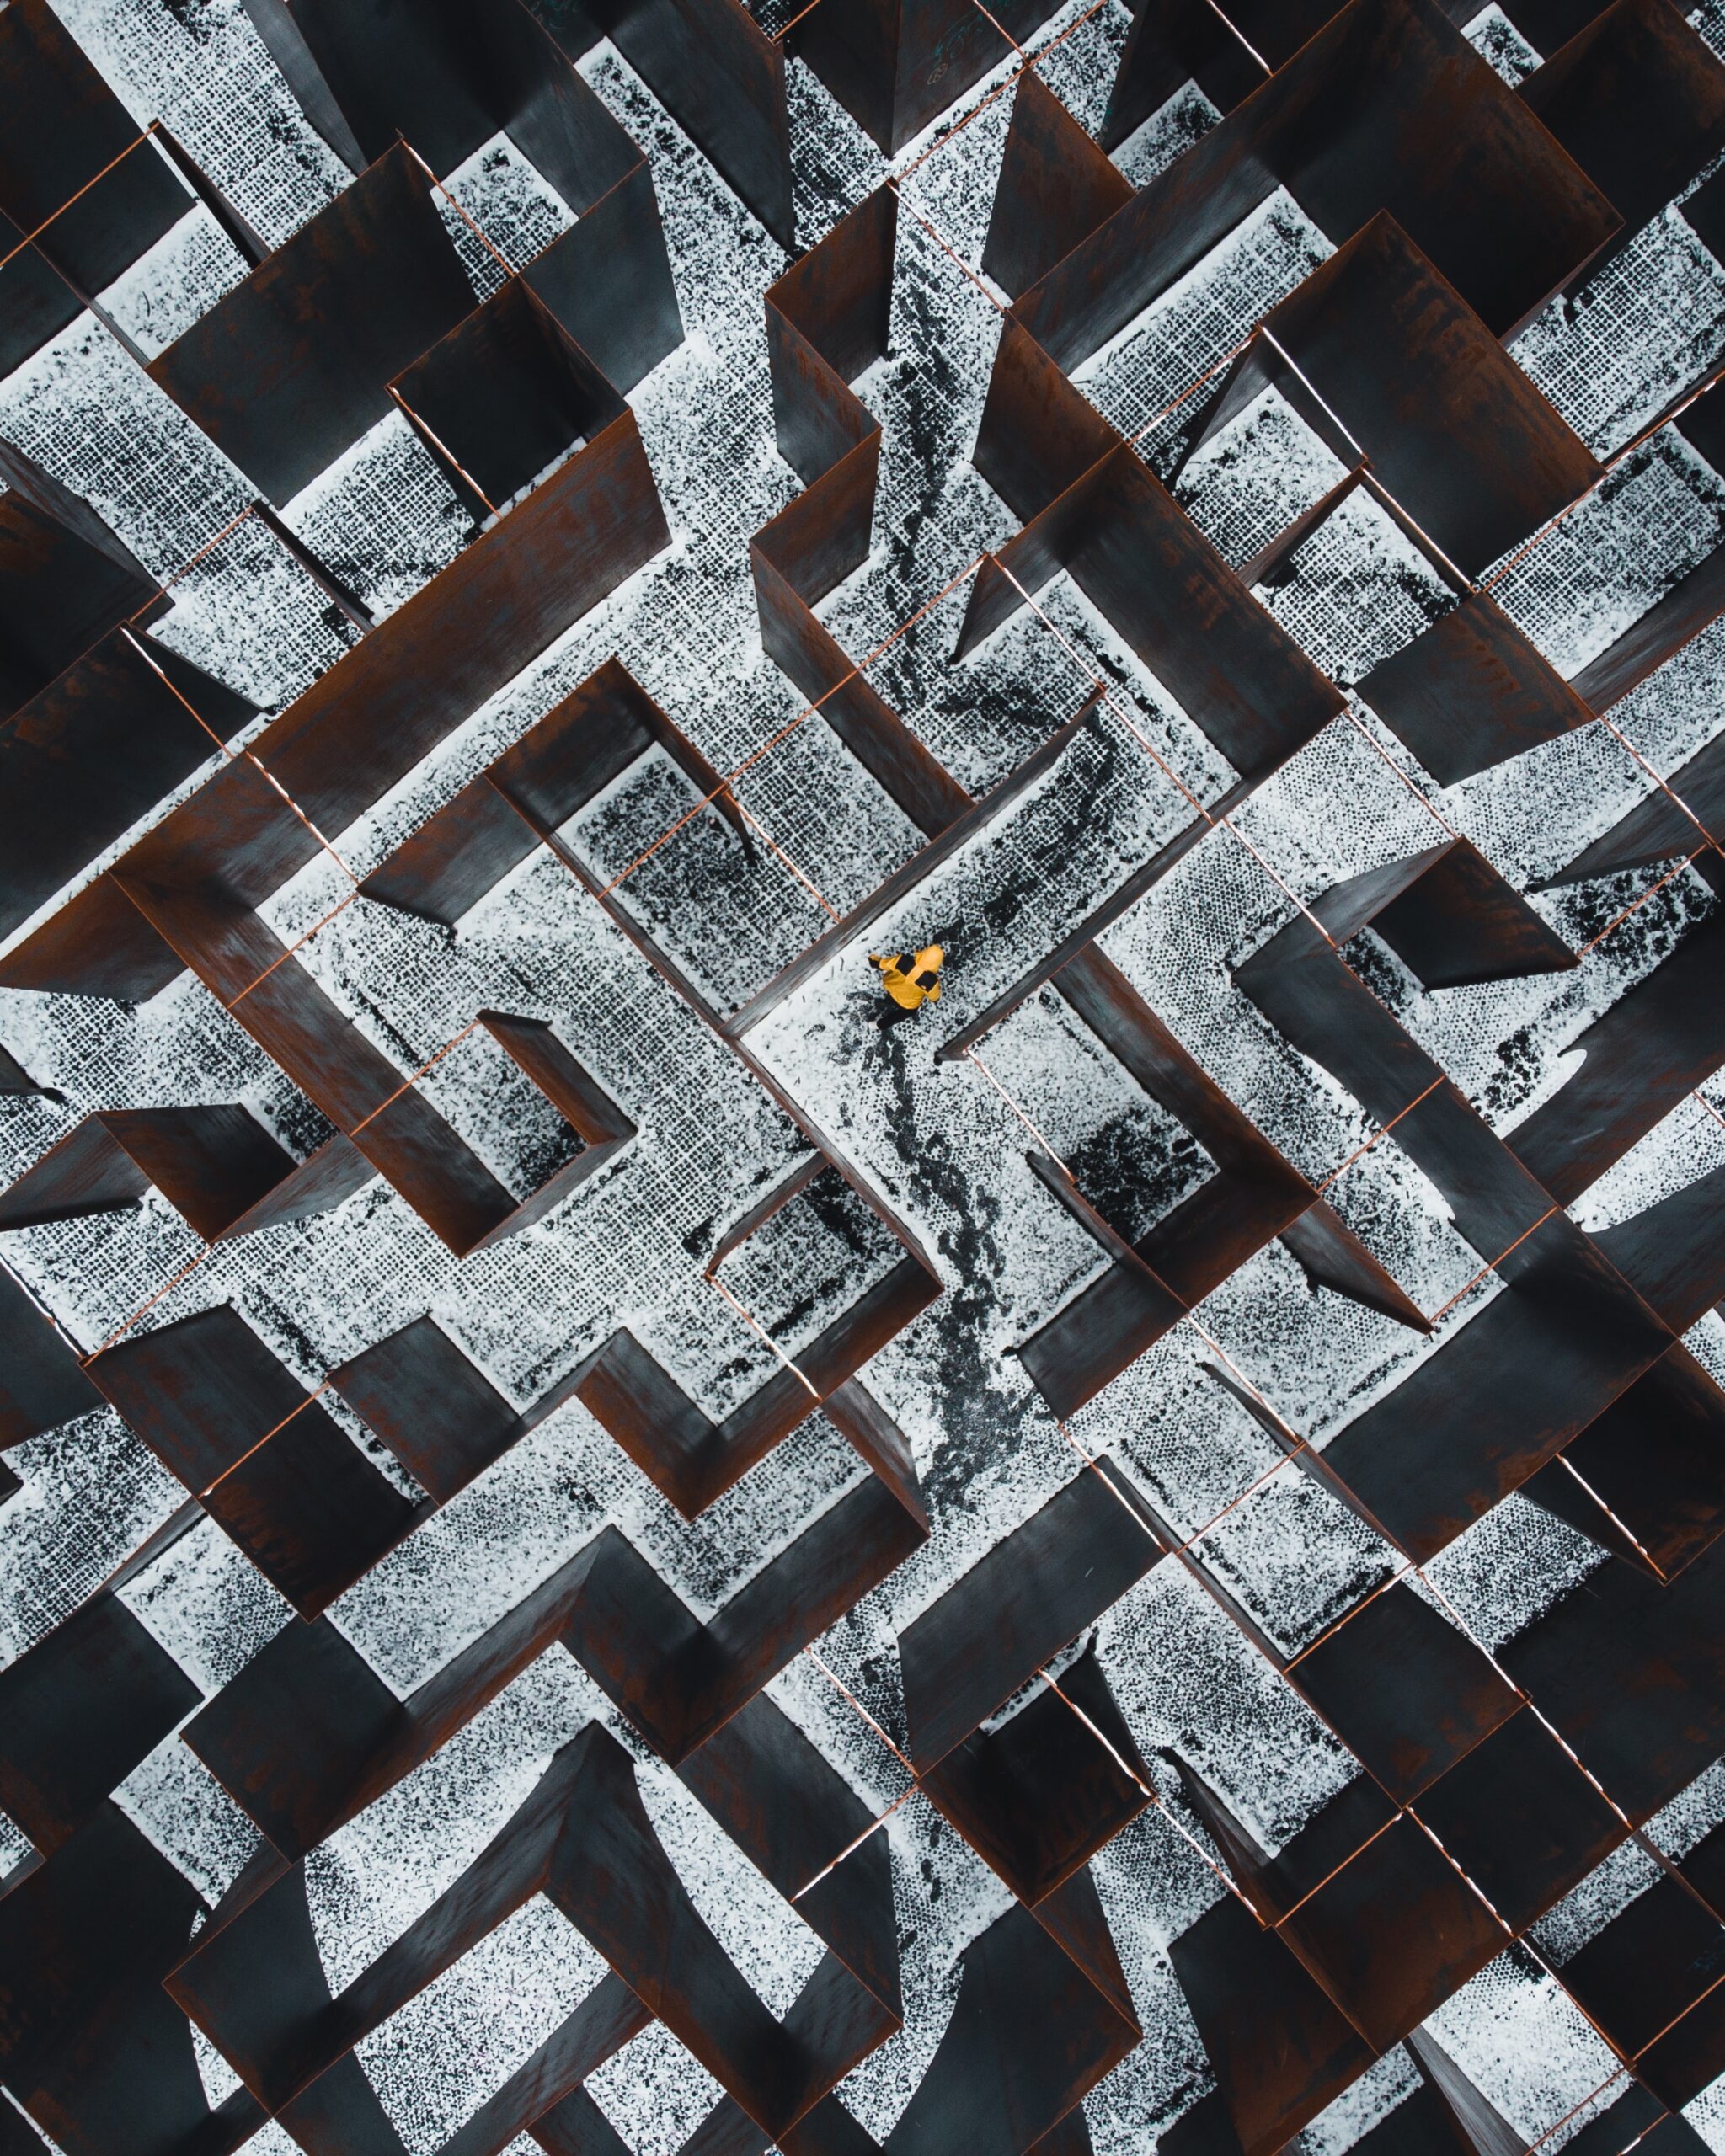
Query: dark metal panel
(1234,669)
(201,1393)
(608,280)
(1280,2048)
(310,1510)
(718,74)
(65,582)
(1460,921)
(1678,619)
(1637,99)
(1038,1797)
(1471,691)
(1023,1601)
(434,1408)
(292,366)
(1632,1675)
(42,1384)
(1031,2032)
(90,2045)
(1656,1458)
(1387,107)
(61,128)
(1521,1819)
(1451,425)
(78,1711)
(1404,1689)
(1642,1056)
(508,393)
(1674,1254)
(212,1164)
(398,691)
(1500,1396)
(1393,1933)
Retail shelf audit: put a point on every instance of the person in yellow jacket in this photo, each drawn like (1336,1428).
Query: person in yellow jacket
(910,986)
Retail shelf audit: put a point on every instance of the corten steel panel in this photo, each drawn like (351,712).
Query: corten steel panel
(1280,2048)
(1102,1330)
(1677,619)
(679,1682)
(1628,1672)
(1680,817)
(1387,107)
(1023,1601)
(1142,563)
(1689,2057)
(1038,1797)
(1172,42)
(456,858)
(42,1384)
(1503,1393)
(1451,425)
(1654,1460)
(310,1510)
(1673,1252)
(1521,1819)
(692,1460)
(608,280)
(895,64)
(90,2044)
(518,803)
(1056,187)
(780,1798)
(545,2094)
(432,662)
(1649,1965)
(797,641)
(713,66)
(293,366)
(1039,436)
(1332,1256)
(1227,54)
(1393,1933)
(268,1465)
(1458,921)
(65,581)
(1471,691)
(1637,99)
(1255,1196)
(212,1164)
(430,1404)
(447,78)
(78,1711)
(93,752)
(200,1393)
(826,321)
(211,929)
(1031,2030)
(36,303)
(582,1103)
(62,127)
(1405,1689)
(507,392)
(587,740)
(1642,1057)
(1181,608)
(1701,422)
